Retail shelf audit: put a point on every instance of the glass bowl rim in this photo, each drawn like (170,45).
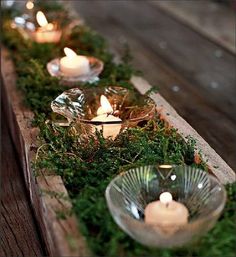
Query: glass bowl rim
(92,60)
(152,110)
(215,212)
(151,104)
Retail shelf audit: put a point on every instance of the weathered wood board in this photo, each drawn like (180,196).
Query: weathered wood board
(62,236)
(209,18)
(215,163)
(194,74)
(19,234)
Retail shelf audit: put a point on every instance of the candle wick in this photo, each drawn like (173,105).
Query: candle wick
(109,113)
(167,204)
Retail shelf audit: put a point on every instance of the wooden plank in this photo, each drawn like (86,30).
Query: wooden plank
(49,207)
(218,167)
(63,233)
(215,163)
(19,234)
(68,243)
(19,120)
(200,105)
(215,21)
(184,50)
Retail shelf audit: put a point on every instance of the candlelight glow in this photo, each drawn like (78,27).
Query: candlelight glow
(41,19)
(69,52)
(166,198)
(165,166)
(105,106)
(29,5)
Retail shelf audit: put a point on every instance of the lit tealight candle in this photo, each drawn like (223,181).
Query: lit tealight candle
(73,64)
(104,115)
(29,5)
(47,32)
(166,212)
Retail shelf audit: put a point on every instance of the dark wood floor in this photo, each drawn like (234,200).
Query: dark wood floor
(19,234)
(194,72)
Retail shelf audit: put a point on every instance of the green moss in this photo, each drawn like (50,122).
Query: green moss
(86,169)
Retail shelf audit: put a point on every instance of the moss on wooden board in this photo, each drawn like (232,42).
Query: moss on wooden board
(86,169)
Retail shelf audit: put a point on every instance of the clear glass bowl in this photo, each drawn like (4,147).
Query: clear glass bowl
(79,107)
(30,31)
(95,65)
(129,193)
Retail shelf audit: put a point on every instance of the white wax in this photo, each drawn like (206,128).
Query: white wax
(74,65)
(47,36)
(171,214)
(109,130)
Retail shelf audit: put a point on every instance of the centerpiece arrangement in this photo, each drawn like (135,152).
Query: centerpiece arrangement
(126,141)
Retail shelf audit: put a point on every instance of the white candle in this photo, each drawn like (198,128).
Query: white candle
(29,5)
(104,115)
(47,32)
(73,64)
(166,212)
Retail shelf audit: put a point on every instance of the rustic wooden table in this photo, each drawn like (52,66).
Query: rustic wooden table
(19,232)
(191,58)
(186,50)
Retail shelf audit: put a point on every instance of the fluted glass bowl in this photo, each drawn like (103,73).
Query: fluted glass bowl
(130,192)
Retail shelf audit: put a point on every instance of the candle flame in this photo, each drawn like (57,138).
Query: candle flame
(41,19)
(29,5)
(165,166)
(166,198)
(105,106)
(69,52)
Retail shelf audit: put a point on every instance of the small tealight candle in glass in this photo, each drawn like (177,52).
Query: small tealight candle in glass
(73,64)
(166,212)
(104,114)
(47,32)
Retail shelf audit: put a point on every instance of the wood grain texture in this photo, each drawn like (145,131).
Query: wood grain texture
(215,21)
(62,236)
(60,224)
(25,140)
(215,163)
(19,233)
(173,57)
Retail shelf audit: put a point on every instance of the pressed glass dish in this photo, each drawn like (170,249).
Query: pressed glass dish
(80,107)
(129,193)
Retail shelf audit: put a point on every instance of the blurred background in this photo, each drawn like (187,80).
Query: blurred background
(184,48)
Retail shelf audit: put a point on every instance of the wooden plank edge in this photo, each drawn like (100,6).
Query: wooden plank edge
(207,26)
(215,163)
(61,226)
(62,238)
(27,136)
